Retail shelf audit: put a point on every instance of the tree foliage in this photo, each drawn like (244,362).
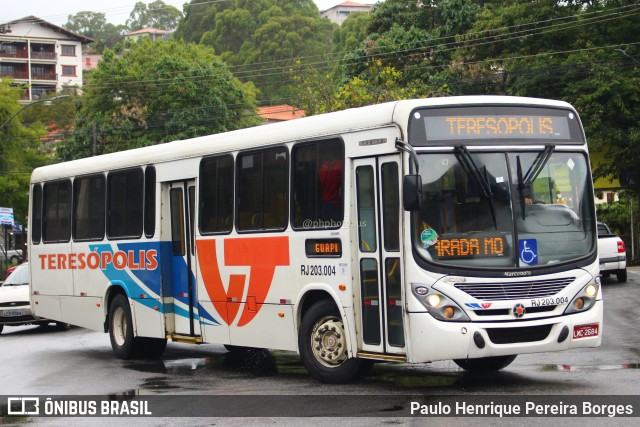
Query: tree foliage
(157,92)
(19,151)
(95,26)
(260,38)
(156,14)
(379,83)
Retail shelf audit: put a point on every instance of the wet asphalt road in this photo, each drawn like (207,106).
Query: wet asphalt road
(43,361)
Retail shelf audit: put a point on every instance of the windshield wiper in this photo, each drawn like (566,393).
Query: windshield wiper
(481,181)
(532,173)
(538,164)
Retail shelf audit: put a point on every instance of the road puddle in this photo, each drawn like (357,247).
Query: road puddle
(572,368)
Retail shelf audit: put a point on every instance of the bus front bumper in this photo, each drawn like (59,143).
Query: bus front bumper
(432,339)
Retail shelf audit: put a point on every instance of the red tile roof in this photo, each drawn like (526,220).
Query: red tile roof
(280,112)
(353,4)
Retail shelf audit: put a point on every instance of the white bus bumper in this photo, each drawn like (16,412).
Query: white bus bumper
(432,339)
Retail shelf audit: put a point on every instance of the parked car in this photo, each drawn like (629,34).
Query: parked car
(15,304)
(13,256)
(10,269)
(611,253)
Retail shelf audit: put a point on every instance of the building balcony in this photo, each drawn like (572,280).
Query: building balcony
(48,56)
(20,75)
(44,76)
(21,54)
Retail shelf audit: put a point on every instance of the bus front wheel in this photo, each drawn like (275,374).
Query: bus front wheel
(121,328)
(485,364)
(323,345)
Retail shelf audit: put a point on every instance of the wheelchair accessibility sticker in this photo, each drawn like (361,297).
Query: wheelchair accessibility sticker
(528,250)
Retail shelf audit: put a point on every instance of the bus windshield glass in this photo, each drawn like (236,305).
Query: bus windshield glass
(504,209)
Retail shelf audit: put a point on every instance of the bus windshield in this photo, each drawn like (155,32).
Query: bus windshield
(504,210)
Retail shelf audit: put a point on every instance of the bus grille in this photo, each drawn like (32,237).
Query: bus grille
(514,290)
(518,335)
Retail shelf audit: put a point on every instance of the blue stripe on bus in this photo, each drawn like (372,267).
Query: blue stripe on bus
(152,279)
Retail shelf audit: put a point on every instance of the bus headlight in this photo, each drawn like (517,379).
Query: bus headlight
(584,299)
(437,304)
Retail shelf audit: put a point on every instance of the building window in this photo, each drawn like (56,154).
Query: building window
(37,92)
(69,70)
(68,50)
(9,49)
(610,197)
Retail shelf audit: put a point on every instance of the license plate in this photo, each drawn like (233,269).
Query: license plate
(11,313)
(586,331)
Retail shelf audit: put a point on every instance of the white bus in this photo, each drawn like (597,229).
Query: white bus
(412,231)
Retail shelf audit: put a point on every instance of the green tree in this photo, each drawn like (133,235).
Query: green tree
(416,38)
(260,38)
(351,33)
(95,26)
(19,151)
(378,83)
(156,14)
(157,92)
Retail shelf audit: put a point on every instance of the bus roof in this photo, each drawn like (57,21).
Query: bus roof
(322,125)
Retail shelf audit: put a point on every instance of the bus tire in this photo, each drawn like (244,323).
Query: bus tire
(123,342)
(323,345)
(485,364)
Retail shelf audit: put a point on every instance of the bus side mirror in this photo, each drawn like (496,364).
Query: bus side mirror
(411,192)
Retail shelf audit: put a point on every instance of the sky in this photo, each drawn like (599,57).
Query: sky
(116,11)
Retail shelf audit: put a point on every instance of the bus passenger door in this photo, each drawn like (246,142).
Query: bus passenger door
(179,264)
(379,301)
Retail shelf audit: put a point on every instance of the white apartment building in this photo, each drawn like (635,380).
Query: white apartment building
(340,12)
(40,56)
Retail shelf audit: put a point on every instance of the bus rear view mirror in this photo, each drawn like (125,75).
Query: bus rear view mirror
(411,192)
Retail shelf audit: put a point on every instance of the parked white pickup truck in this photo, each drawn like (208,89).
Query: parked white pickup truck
(611,253)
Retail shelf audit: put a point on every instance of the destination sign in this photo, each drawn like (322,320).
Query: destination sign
(448,128)
(468,246)
(494,124)
(323,247)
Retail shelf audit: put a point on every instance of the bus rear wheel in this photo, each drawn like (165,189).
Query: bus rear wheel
(323,345)
(485,364)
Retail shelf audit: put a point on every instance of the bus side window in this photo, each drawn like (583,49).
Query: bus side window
(149,201)
(216,194)
(57,212)
(318,184)
(125,204)
(89,208)
(36,214)
(262,179)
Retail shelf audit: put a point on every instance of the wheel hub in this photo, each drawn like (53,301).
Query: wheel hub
(328,342)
